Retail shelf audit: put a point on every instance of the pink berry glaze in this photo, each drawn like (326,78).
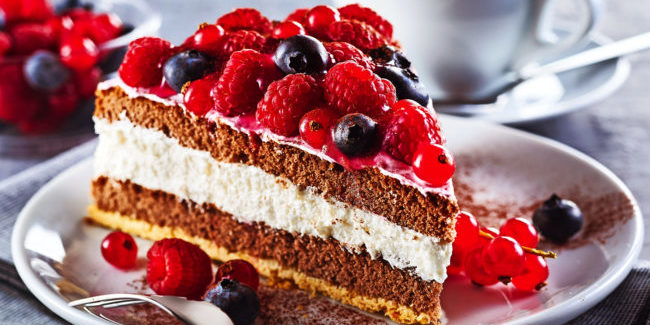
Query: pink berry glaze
(248,124)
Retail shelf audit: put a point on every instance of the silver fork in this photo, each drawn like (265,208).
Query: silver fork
(188,311)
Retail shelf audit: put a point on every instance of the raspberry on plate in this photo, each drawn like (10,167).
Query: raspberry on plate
(341,52)
(178,268)
(286,101)
(409,125)
(356,33)
(242,83)
(142,65)
(245,18)
(368,16)
(239,40)
(351,88)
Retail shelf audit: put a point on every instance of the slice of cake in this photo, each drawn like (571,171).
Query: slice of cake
(318,158)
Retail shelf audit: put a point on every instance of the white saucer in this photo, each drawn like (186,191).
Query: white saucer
(58,255)
(550,96)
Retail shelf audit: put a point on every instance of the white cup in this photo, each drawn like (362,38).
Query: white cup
(460,47)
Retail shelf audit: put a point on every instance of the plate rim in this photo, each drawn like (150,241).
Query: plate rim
(567,310)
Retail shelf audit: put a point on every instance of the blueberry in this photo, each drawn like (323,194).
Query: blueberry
(44,71)
(237,300)
(301,54)
(355,134)
(557,219)
(186,66)
(388,55)
(406,82)
(61,6)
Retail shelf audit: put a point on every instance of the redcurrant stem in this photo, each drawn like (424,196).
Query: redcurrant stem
(529,250)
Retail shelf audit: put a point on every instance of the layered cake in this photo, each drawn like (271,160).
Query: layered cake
(305,146)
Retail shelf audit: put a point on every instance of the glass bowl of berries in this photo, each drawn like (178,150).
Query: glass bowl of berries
(53,53)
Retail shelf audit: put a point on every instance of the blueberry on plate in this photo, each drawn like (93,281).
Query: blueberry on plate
(355,134)
(301,54)
(237,300)
(406,82)
(558,219)
(44,71)
(185,66)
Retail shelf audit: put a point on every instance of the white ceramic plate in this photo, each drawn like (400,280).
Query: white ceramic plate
(501,173)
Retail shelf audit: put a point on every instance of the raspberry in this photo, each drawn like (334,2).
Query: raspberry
(368,16)
(243,82)
(356,33)
(342,51)
(197,97)
(142,64)
(239,40)
(409,125)
(178,268)
(351,88)
(286,101)
(29,37)
(299,15)
(17,101)
(245,18)
(5,43)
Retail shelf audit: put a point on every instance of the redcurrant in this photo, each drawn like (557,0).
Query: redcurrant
(319,18)
(79,53)
(489,230)
(433,163)
(206,38)
(456,263)
(287,29)
(120,250)
(521,230)
(239,270)
(534,275)
(503,257)
(315,124)
(475,269)
(197,98)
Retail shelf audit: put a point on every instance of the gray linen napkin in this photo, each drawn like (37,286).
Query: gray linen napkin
(628,304)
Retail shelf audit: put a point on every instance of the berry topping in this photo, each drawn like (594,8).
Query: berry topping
(29,37)
(534,275)
(184,67)
(239,270)
(388,55)
(298,15)
(341,51)
(86,81)
(433,163)
(409,125)
(355,134)
(301,54)
(5,43)
(368,16)
(351,88)
(16,93)
(407,84)
(64,101)
(239,40)
(356,33)
(206,39)
(247,19)
(521,230)
(178,268)
(243,82)
(237,300)
(315,125)
(475,270)
(120,250)
(319,18)
(142,65)
(286,101)
(44,71)
(558,219)
(287,29)
(197,97)
(79,53)
(503,257)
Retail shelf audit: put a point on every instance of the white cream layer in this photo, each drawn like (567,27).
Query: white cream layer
(151,159)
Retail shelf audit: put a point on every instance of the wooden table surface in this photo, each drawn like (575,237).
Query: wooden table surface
(615,131)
